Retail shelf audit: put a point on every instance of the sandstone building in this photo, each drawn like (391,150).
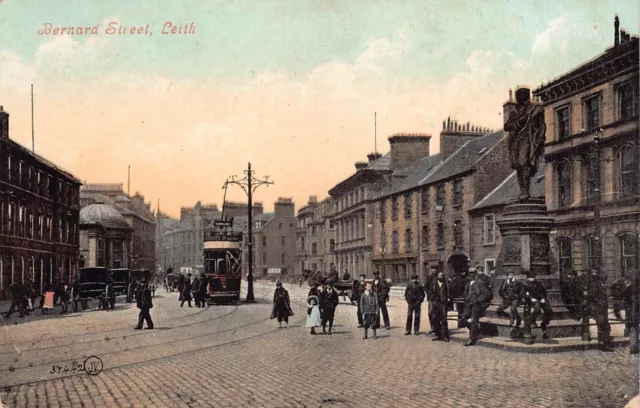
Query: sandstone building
(39,211)
(315,236)
(105,237)
(591,155)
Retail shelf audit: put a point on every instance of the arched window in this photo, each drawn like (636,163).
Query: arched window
(564,184)
(22,269)
(628,162)
(591,179)
(628,252)
(594,252)
(565,255)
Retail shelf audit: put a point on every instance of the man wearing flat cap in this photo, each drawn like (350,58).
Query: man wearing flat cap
(414,295)
(381,289)
(476,294)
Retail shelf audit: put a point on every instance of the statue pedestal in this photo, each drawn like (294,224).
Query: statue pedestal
(525,228)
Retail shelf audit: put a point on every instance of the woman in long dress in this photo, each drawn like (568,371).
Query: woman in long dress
(314,318)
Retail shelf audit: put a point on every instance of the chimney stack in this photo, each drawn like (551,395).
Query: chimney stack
(508,107)
(4,124)
(408,149)
(616,31)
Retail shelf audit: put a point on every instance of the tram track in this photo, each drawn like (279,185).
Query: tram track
(58,345)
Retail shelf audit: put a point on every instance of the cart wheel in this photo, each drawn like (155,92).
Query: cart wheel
(85,304)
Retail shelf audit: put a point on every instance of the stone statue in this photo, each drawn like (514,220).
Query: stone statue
(526,128)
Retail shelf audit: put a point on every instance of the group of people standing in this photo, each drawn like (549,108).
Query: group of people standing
(24,295)
(195,290)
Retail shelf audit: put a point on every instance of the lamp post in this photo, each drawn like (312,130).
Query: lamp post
(249,184)
(384,272)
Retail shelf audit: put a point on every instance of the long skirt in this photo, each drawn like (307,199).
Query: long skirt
(314,318)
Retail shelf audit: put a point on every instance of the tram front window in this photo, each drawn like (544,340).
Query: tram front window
(215,265)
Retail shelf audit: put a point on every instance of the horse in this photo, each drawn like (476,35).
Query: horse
(311,277)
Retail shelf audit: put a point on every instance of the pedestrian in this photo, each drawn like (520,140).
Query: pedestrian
(476,294)
(510,293)
(346,275)
(186,291)
(16,301)
(356,292)
(381,289)
(144,303)
(195,290)
(599,305)
(328,303)
(414,296)
(488,282)
(534,294)
(281,305)
(181,283)
(314,317)
(333,277)
(428,285)
(370,310)
(65,297)
(440,298)
(202,290)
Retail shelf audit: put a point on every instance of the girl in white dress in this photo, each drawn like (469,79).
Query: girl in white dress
(313,312)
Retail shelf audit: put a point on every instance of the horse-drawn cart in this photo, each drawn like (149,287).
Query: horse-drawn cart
(345,289)
(91,284)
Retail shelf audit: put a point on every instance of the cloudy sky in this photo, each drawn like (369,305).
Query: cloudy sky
(291,86)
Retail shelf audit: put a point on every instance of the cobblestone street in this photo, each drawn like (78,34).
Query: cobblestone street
(235,356)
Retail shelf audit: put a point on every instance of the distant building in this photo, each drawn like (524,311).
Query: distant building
(274,241)
(105,237)
(315,236)
(137,214)
(39,211)
(597,98)
(164,222)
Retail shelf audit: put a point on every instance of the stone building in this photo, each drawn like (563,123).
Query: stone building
(421,218)
(164,222)
(105,237)
(136,212)
(484,235)
(353,210)
(274,241)
(591,155)
(184,239)
(39,210)
(315,236)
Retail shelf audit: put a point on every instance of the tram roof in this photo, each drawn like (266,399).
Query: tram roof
(221,245)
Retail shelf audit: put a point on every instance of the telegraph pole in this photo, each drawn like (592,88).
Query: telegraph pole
(249,184)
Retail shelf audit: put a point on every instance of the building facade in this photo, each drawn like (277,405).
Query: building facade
(591,155)
(137,214)
(315,236)
(105,237)
(39,211)
(274,241)
(353,213)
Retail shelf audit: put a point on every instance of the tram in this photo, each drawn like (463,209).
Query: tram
(223,263)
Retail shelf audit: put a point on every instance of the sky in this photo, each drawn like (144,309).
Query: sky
(290,86)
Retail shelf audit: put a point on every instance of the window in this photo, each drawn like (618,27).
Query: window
(407,240)
(424,199)
(594,252)
(626,101)
(565,256)
(489,230)
(564,184)
(9,160)
(313,231)
(10,217)
(332,245)
(629,252)
(280,225)
(440,194)
(282,240)
(394,242)
(457,192)
(302,247)
(457,233)
(407,205)
(383,239)
(563,122)
(283,257)
(314,249)
(593,179)
(394,208)
(592,112)
(440,235)
(489,264)
(264,241)
(628,159)
(425,236)
(314,266)
(264,258)
(383,211)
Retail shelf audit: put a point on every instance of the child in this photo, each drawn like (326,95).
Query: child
(281,305)
(313,311)
(369,308)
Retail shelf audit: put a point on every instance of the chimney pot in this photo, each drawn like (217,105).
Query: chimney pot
(510,94)
(616,31)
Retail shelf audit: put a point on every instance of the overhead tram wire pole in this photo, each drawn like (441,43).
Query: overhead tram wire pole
(249,184)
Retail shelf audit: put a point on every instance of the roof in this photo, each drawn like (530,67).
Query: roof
(380,165)
(45,162)
(104,215)
(410,176)
(508,190)
(462,160)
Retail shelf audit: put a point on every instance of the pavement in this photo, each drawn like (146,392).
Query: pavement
(235,356)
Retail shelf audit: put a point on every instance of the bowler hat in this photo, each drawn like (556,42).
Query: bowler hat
(278,283)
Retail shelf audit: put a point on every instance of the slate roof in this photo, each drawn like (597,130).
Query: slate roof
(509,190)
(381,164)
(410,177)
(463,159)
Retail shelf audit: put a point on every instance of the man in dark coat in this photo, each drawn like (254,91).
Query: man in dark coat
(144,303)
(476,294)
(281,305)
(599,305)
(535,294)
(195,286)
(428,285)
(440,297)
(181,282)
(328,303)
(333,277)
(356,293)
(414,295)
(510,294)
(381,289)
(186,291)
(202,290)
(16,301)
(370,310)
